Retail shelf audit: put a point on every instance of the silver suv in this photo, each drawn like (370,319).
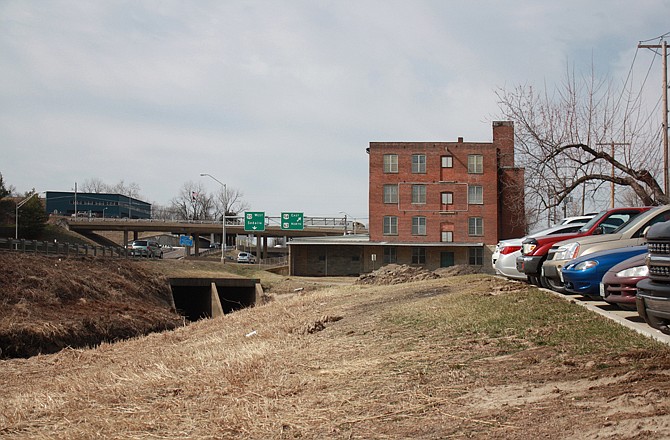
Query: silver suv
(145,248)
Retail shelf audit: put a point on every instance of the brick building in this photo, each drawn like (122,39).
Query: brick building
(433,204)
(439,203)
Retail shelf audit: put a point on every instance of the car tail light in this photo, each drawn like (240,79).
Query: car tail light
(509,249)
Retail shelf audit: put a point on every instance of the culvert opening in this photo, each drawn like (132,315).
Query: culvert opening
(198,298)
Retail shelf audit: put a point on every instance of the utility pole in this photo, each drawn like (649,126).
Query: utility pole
(612,144)
(664,47)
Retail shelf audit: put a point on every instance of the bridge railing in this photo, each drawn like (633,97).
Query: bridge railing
(315,222)
(56,248)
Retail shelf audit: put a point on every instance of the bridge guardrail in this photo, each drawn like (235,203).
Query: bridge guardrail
(56,248)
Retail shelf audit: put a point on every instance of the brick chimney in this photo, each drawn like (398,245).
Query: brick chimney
(503,140)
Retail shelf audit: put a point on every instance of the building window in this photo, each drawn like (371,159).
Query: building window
(390,225)
(475,226)
(390,163)
(390,256)
(447,198)
(475,194)
(476,256)
(418,256)
(390,193)
(475,164)
(419,163)
(447,162)
(418,225)
(447,236)
(419,194)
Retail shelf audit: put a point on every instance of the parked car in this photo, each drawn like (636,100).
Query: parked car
(577,219)
(619,285)
(145,248)
(653,293)
(246,257)
(506,252)
(630,234)
(584,274)
(534,250)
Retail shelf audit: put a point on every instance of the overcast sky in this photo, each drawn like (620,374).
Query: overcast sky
(276,98)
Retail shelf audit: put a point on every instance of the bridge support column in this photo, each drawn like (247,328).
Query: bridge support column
(265,247)
(125,239)
(258,247)
(136,235)
(196,244)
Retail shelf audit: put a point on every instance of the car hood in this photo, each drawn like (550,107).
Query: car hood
(588,240)
(638,260)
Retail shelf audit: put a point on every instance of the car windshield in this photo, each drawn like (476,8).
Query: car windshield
(140,243)
(593,221)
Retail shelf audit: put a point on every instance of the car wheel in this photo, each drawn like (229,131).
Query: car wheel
(658,323)
(556,286)
(534,280)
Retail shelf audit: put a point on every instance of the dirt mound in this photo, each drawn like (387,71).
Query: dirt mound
(396,274)
(50,303)
(461,269)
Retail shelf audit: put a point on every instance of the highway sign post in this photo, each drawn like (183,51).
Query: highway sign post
(254,221)
(292,221)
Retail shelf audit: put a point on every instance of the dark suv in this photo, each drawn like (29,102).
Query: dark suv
(653,293)
(145,248)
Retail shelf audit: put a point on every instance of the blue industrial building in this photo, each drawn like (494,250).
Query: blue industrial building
(96,205)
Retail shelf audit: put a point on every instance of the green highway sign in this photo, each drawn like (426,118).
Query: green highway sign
(254,221)
(292,221)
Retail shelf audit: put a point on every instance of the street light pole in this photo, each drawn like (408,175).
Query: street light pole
(223,217)
(345,222)
(18,205)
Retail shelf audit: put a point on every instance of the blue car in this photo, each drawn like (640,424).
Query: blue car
(584,274)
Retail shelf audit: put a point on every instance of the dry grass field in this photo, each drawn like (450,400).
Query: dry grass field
(468,356)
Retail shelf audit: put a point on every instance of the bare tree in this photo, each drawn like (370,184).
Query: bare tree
(193,202)
(577,139)
(94,185)
(229,201)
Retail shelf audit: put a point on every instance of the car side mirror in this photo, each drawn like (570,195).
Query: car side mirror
(598,231)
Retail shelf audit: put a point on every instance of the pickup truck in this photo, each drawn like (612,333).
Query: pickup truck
(632,234)
(534,250)
(653,293)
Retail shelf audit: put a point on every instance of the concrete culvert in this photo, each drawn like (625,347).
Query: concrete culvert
(197,298)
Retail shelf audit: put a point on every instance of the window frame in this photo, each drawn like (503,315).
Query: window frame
(418,165)
(390,225)
(445,235)
(475,164)
(475,226)
(390,255)
(390,164)
(478,198)
(447,161)
(418,255)
(475,256)
(450,198)
(419,194)
(390,196)
(419,223)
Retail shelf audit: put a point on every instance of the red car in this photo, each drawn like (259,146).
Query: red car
(618,286)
